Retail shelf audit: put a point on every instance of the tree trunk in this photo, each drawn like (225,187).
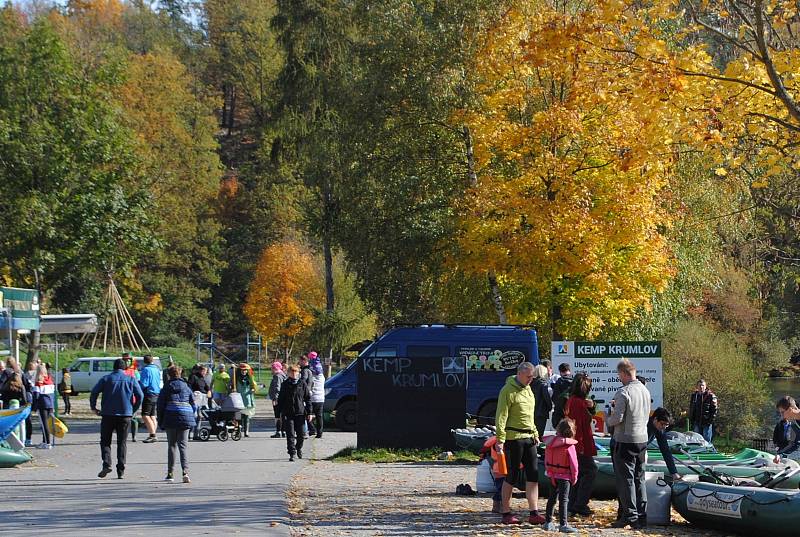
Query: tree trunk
(497,300)
(555,317)
(327,252)
(35,337)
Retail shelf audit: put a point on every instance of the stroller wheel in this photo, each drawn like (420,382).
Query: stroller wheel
(236,435)
(222,435)
(204,434)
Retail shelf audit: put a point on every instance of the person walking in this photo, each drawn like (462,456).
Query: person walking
(65,390)
(199,383)
(703,408)
(278,378)
(43,401)
(246,386)
(150,379)
(122,397)
(541,394)
(176,415)
(317,397)
(293,402)
(579,408)
(517,438)
(561,466)
(629,419)
(132,371)
(561,392)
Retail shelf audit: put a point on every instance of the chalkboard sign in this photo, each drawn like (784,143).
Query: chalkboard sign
(410,402)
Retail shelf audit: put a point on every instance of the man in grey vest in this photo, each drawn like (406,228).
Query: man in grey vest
(629,420)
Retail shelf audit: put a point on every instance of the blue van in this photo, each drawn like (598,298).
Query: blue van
(492,353)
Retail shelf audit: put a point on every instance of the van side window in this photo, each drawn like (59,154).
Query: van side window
(82,367)
(105,366)
(385,352)
(427,351)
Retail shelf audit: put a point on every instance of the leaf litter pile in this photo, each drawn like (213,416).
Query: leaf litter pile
(360,499)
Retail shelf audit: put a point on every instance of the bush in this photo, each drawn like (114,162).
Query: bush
(697,350)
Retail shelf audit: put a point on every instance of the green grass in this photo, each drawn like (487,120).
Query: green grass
(378,455)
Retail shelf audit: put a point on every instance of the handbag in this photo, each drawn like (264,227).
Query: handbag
(57,427)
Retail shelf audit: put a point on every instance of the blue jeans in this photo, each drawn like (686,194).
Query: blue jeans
(707,431)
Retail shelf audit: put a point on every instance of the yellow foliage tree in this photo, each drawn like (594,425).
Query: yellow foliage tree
(285,293)
(574,140)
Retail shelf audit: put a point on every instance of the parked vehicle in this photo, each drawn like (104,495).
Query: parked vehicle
(85,372)
(491,354)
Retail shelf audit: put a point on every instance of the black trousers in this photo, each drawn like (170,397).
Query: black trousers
(293,426)
(580,494)
(560,492)
(521,451)
(541,424)
(44,417)
(67,405)
(316,409)
(108,426)
(629,466)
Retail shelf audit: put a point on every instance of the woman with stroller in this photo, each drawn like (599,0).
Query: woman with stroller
(176,411)
(199,385)
(246,386)
(278,376)
(220,384)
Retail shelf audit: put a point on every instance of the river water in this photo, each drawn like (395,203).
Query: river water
(783,386)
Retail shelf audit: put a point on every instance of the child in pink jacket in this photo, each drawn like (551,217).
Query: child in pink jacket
(561,466)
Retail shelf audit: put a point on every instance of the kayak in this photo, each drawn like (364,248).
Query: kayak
(10,418)
(10,458)
(745,510)
(744,455)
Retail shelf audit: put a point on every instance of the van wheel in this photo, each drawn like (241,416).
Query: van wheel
(487,413)
(347,416)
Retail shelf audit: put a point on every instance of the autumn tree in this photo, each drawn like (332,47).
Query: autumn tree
(574,143)
(285,293)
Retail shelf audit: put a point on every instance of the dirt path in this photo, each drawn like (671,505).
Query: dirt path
(357,499)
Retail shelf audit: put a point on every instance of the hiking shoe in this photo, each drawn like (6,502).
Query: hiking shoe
(567,529)
(149,439)
(169,478)
(43,446)
(276,435)
(186,478)
(509,518)
(550,526)
(536,519)
(583,510)
(291,458)
(319,435)
(133,439)
(299,454)
(622,523)
(120,474)
(104,472)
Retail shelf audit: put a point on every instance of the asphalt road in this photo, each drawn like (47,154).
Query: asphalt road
(237,487)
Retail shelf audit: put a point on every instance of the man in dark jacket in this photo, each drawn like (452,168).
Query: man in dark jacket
(702,410)
(293,402)
(121,399)
(541,394)
(561,392)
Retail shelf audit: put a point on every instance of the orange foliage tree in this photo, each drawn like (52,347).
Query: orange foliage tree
(285,293)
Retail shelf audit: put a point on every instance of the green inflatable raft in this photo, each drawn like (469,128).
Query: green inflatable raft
(605,481)
(744,510)
(10,458)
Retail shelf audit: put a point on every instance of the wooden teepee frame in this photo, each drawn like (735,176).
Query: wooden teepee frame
(119,326)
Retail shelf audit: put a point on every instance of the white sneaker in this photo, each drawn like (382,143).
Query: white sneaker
(186,478)
(43,446)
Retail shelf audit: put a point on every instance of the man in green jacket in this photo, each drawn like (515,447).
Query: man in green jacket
(517,438)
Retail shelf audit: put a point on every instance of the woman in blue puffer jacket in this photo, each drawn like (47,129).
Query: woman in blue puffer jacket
(176,413)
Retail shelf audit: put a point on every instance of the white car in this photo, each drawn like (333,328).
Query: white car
(85,372)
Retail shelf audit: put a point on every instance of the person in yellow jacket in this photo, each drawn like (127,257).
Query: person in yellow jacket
(220,384)
(517,439)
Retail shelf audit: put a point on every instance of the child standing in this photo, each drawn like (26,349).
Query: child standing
(786,436)
(561,466)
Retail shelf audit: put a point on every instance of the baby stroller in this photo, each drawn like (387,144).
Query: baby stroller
(220,422)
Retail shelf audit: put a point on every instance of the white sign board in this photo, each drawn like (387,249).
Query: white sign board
(720,503)
(599,361)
